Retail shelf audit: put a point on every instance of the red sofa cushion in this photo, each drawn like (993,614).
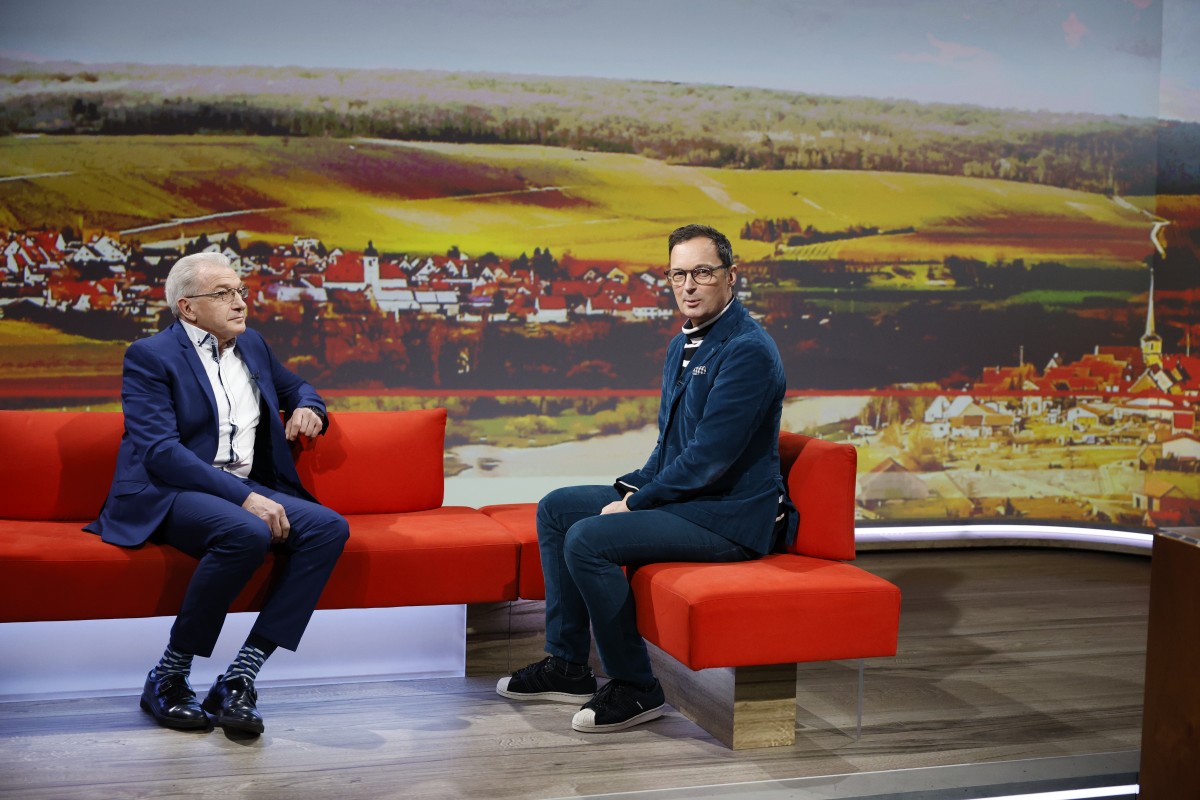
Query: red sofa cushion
(57,465)
(377,462)
(442,556)
(55,571)
(774,610)
(820,478)
(521,521)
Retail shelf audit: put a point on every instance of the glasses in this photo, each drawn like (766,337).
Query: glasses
(224,295)
(703,276)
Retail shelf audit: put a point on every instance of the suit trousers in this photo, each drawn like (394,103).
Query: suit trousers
(231,543)
(583,552)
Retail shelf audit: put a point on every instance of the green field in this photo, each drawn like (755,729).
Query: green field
(425,198)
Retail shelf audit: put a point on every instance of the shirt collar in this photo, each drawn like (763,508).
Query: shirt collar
(689,331)
(202,339)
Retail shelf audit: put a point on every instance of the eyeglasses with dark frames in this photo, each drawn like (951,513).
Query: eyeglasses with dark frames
(703,276)
(224,295)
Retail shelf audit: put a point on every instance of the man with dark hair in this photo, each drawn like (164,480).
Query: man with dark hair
(205,467)
(710,491)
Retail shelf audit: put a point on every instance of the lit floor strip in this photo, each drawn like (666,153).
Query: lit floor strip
(1130,790)
(1063,533)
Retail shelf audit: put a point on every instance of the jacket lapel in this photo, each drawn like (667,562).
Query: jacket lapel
(192,359)
(713,342)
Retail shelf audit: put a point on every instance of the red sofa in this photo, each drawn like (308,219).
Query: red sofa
(727,637)
(381,470)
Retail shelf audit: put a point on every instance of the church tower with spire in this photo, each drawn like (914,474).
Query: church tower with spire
(1151,341)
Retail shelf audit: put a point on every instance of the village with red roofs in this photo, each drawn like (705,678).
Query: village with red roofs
(1110,435)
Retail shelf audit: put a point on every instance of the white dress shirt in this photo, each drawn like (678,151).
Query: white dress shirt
(237,401)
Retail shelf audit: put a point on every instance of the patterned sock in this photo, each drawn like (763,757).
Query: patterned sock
(173,662)
(250,658)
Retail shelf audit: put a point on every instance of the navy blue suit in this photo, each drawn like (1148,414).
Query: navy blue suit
(165,486)
(710,492)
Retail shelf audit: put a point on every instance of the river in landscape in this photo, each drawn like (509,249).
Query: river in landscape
(525,474)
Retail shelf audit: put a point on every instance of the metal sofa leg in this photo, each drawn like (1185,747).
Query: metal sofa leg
(859,704)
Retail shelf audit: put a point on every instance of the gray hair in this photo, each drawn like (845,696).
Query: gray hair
(184,280)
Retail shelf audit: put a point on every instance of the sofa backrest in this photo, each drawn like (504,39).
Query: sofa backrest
(57,465)
(377,462)
(820,478)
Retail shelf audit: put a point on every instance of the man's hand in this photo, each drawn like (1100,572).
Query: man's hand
(304,421)
(616,506)
(270,512)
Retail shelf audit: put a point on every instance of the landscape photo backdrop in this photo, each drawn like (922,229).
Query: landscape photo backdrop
(985,280)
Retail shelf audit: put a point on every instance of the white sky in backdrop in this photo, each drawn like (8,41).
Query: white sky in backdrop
(1134,57)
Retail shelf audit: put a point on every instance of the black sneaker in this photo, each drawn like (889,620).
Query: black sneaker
(546,681)
(617,706)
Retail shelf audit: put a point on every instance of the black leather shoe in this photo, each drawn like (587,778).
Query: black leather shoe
(171,701)
(233,701)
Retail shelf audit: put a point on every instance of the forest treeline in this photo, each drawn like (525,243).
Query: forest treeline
(791,232)
(695,125)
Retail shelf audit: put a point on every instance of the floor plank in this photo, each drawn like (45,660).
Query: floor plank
(1004,654)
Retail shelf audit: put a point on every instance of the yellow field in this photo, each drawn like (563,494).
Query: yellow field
(424,198)
(39,351)
(16,334)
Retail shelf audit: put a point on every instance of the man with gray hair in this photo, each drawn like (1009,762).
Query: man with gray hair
(205,466)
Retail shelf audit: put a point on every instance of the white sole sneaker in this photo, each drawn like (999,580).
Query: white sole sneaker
(553,697)
(584,721)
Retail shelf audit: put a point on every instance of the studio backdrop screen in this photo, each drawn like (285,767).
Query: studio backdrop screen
(971,227)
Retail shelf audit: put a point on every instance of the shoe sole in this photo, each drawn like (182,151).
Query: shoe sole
(553,697)
(245,726)
(177,724)
(613,727)
(238,725)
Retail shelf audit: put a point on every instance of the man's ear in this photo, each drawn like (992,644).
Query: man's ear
(185,310)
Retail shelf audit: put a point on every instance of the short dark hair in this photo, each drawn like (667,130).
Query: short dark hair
(689,232)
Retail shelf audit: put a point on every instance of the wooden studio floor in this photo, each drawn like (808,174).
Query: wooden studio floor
(1005,654)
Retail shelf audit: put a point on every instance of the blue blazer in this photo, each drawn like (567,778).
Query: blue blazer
(716,462)
(170,438)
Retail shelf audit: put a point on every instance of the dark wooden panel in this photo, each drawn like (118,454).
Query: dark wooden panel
(1171,730)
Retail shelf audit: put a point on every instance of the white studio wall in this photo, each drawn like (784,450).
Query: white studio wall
(111,656)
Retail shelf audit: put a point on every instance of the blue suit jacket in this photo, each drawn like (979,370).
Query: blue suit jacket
(717,458)
(170,438)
